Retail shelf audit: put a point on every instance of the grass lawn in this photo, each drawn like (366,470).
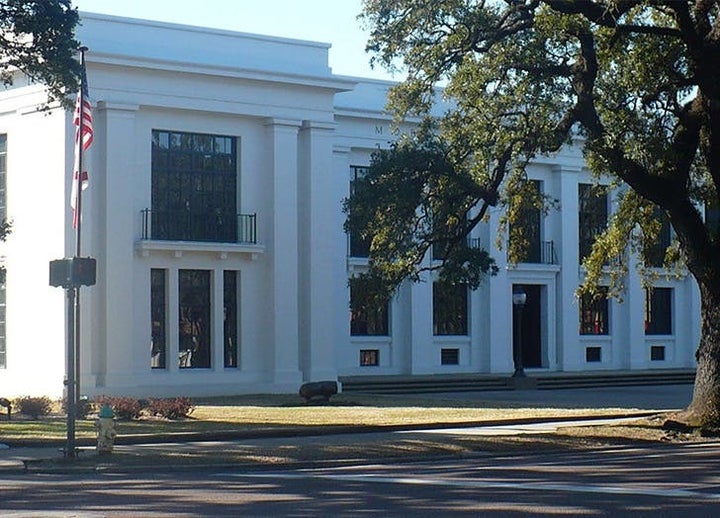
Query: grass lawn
(287,413)
(253,413)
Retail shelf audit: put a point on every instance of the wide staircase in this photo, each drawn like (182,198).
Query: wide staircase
(404,384)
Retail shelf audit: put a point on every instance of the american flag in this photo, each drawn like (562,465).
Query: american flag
(83,122)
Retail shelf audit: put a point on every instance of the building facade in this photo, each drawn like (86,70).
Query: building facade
(217,174)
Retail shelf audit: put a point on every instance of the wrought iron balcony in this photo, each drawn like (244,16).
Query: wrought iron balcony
(210,226)
(541,252)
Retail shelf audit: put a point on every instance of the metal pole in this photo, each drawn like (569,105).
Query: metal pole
(78,208)
(71,378)
(79,151)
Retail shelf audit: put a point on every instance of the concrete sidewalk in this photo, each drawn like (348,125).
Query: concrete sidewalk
(643,397)
(635,399)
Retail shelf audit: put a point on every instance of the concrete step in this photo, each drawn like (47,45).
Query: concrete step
(404,384)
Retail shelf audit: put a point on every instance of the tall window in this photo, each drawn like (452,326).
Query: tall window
(450,309)
(594,311)
(194,319)
(359,247)
(3,217)
(529,224)
(230,317)
(367,316)
(593,216)
(158,318)
(654,253)
(658,311)
(194,187)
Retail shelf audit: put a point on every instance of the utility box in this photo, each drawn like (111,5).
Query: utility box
(73,272)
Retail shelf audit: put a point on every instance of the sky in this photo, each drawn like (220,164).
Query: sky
(328,21)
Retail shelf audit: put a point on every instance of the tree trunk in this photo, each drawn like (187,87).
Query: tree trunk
(704,410)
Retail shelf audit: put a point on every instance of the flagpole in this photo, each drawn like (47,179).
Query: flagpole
(78,212)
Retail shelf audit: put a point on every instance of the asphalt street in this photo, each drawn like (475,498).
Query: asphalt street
(659,480)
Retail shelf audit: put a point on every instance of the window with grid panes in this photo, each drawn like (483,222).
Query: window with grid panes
(593,216)
(359,247)
(658,311)
(194,187)
(450,309)
(594,313)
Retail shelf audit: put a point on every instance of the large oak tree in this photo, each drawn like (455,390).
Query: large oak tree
(636,82)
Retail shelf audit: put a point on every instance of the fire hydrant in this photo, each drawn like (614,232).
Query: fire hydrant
(106,433)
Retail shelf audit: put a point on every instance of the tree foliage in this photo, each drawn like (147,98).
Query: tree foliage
(634,81)
(419,198)
(38,41)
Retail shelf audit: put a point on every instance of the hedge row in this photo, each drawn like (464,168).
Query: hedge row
(123,407)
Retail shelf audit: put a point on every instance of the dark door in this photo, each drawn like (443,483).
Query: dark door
(530,325)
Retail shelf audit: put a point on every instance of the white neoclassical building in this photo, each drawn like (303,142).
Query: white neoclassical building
(218,169)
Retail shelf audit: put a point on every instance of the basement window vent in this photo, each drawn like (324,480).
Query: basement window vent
(593,354)
(449,356)
(657,353)
(369,358)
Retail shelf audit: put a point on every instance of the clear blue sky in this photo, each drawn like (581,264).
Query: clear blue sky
(329,21)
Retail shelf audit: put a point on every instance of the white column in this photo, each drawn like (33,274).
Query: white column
(500,307)
(217,294)
(570,355)
(115,355)
(637,355)
(283,249)
(172,339)
(320,225)
(344,354)
(421,330)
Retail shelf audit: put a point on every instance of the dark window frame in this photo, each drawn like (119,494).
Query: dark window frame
(593,354)
(450,309)
(593,216)
(158,318)
(659,311)
(230,318)
(365,319)
(595,313)
(449,356)
(194,187)
(531,220)
(357,246)
(195,319)
(369,357)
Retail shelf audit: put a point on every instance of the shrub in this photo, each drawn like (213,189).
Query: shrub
(33,406)
(172,408)
(83,407)
(123,407)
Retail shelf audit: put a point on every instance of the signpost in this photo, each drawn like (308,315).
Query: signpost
(70,274)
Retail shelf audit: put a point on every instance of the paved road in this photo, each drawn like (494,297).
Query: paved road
(658,480)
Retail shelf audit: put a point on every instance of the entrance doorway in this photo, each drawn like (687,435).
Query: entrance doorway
(531,325)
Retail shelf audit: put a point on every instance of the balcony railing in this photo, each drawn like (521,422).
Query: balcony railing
(210,226)
(542,252)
